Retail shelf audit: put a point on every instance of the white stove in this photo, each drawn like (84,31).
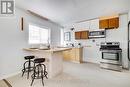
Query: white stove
(111,56)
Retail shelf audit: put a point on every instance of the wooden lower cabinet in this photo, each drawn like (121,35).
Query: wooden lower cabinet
(74,55)
(78,54)
(66,55)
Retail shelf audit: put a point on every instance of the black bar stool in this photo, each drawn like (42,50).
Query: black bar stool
(39,70)
(27,65)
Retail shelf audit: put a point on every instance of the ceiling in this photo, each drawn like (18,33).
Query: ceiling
(70,11)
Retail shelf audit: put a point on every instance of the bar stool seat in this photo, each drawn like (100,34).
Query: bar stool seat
(39,60)
(29,57)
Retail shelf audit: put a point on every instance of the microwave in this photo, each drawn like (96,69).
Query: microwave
(97,34)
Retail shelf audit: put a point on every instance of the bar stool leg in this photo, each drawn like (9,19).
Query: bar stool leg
(42,81)
(32,81)
(29,66)
(24,69)
(42,76)
(33,75)
(45,72)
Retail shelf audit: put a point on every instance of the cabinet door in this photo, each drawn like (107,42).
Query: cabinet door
(78,54)
(84,35)
(103,24)
(66,55)
(72,54)
(114,23)
(77,35)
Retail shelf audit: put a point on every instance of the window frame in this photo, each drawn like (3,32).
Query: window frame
(40,26)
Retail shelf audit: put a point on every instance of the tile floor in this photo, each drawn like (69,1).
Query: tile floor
(79,75)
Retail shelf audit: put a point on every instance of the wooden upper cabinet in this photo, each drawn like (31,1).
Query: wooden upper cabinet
(77,35)
(110,23)
(103,24)
(84,35)
(114,22)
(81,35)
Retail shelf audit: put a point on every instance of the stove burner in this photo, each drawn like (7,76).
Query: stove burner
(110,46)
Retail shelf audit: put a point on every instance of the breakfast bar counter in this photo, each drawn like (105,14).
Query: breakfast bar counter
(53,50)
(54,58)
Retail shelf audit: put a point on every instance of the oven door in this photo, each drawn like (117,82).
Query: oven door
(110,56)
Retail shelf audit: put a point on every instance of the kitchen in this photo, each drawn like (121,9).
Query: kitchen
(92,46)
(71,26)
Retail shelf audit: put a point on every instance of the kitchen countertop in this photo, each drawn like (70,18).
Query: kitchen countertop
(68,47)
(48,50)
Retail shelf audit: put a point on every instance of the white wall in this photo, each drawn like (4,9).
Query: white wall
(120,35)
(91,51)
(13,40)
(129,14)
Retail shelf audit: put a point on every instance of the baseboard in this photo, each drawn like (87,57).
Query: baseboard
(10,75)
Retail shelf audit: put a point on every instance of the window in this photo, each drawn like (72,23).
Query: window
(38,35)
(62,36)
